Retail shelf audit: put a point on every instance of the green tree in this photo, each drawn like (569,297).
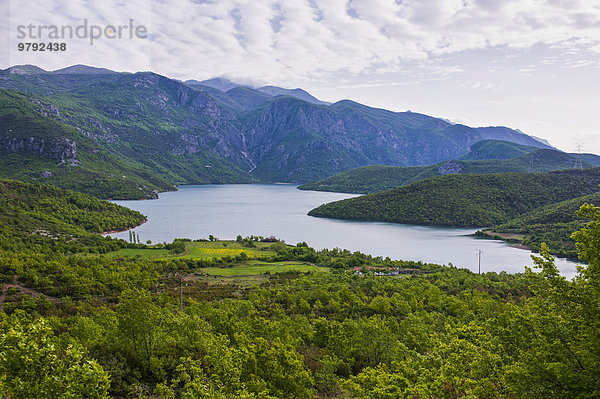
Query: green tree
(588,242)
(560,325)
(35,364)
(139,323)
(276,368)
(177,247)
(191,382)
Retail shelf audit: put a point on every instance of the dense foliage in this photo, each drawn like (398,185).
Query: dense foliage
(83,325)
(466,199)
(43,217)
(552,224)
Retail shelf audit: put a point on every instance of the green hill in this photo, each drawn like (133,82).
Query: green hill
(44,217)
(372,179)
(552,224)
(497,149)
(465,199)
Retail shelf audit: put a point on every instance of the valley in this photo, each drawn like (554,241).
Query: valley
(259,317)
(225,211)
(268,199)
(135,135)
(373,280)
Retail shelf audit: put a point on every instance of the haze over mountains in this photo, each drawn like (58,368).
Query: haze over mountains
(161,131)
(226,85)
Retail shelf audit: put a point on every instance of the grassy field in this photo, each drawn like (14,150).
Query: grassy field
(254,270)
(199,250)
(256,267)
(226,248)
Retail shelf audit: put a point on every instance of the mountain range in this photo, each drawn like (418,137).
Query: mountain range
(141,133)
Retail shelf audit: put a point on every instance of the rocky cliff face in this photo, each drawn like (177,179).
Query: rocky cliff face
(307,141)
(450,167)
(147,117)
(59,149)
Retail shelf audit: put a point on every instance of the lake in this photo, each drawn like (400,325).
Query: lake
(281,210)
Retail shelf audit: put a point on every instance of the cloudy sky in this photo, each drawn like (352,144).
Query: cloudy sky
(527,64)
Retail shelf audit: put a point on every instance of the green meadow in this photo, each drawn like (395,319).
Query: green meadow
(198,250)
(256,267)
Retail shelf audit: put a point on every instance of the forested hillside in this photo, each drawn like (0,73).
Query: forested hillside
(496,149)
(44,218)
(552,224)
(370,179)
(487,156)
(465,199)
(82,325)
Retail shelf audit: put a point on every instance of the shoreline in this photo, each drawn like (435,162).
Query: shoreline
(512,239)
(515,240)
(105,233)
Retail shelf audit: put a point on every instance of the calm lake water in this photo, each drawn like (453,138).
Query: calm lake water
(281,210)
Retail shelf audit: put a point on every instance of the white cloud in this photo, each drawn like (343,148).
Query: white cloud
(312,38)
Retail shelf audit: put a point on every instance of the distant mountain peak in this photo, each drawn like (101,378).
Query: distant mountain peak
(298,93)
(247,97)
(80,69)
(282,134)
(222,84)
(504,133)
(226,85)
(26,69)
(259,95)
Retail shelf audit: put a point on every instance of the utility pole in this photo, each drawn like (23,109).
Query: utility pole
(479,252)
